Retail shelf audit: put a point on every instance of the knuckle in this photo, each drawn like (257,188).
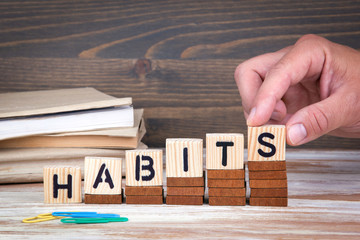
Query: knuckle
(240,71)
(319,121)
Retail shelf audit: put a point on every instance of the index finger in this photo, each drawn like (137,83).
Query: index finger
(304,60)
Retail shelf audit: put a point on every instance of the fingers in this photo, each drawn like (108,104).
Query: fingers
(303,62)
(316,120)
(250,74)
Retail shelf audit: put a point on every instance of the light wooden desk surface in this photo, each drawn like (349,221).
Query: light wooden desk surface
(324,194)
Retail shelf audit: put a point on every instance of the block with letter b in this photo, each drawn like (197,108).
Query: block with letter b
(224,151)
(62,185)
(266,143)
(144,176)
(102,181)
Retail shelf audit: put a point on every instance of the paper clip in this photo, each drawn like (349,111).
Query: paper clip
(85,215)
(93,220)
(41,218)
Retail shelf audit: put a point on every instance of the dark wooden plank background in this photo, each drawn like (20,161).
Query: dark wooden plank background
(175,58)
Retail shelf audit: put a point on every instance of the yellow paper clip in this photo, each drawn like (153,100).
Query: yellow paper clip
(41,218)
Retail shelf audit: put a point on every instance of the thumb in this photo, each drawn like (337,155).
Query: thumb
(315,120)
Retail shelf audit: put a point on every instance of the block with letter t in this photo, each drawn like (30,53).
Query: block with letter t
(102,181)
(184,171)
(144,176)
(267,165)
(225,168)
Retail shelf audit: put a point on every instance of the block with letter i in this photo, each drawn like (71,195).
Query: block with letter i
(267,165)
(102,181)
(144,176)
(225,169)
(62,185)
(184,171)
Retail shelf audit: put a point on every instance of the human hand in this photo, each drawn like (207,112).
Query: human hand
(313,87)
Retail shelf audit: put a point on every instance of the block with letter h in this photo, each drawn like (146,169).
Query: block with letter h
(184,171)
(102,181)
(62,185)
(267,165)
(144,176)
(225,169)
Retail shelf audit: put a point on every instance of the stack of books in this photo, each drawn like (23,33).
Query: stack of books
(63,126)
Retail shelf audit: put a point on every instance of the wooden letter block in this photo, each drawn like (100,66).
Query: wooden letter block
(184,157)
(266,175)
(268,183)
(144,167)
(266,165)
(227,201)
(226,174)
(269,192)
(275,202)
(224,183)
(266,143)
(62,185)
(185,182)
(102,176)
(185,191)
(227,192)
(224,151)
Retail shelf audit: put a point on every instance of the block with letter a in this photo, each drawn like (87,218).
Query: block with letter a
(225,168)
(184,171)
(267,165)
(102,181)
(62,185)
(144,176)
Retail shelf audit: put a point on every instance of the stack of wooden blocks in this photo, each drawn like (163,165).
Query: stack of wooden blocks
(144,177)
(225,169)
(267,166)
(184,171)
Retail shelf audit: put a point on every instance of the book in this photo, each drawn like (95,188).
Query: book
(65,110)
(121,138)
(26,164)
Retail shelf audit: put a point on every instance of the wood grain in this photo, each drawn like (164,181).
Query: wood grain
(103,175)
(224,156)
(149,173)
(324,192)
(269,192)
(185,182)
(152,199)
(184,157)
(185,191)
(103,198)
(273,144)
(266,165)
(227,192)
(226,174)
(62,174)
(184,200)
(268,183)
(175,58)
(226,183)
(143,191)
(266,202)
(267,175)
(227,201)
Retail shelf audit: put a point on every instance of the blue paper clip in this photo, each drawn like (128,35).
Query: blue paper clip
(93,220)
(85,215)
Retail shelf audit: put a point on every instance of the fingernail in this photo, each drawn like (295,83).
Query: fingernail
(251,115)
(297,133)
